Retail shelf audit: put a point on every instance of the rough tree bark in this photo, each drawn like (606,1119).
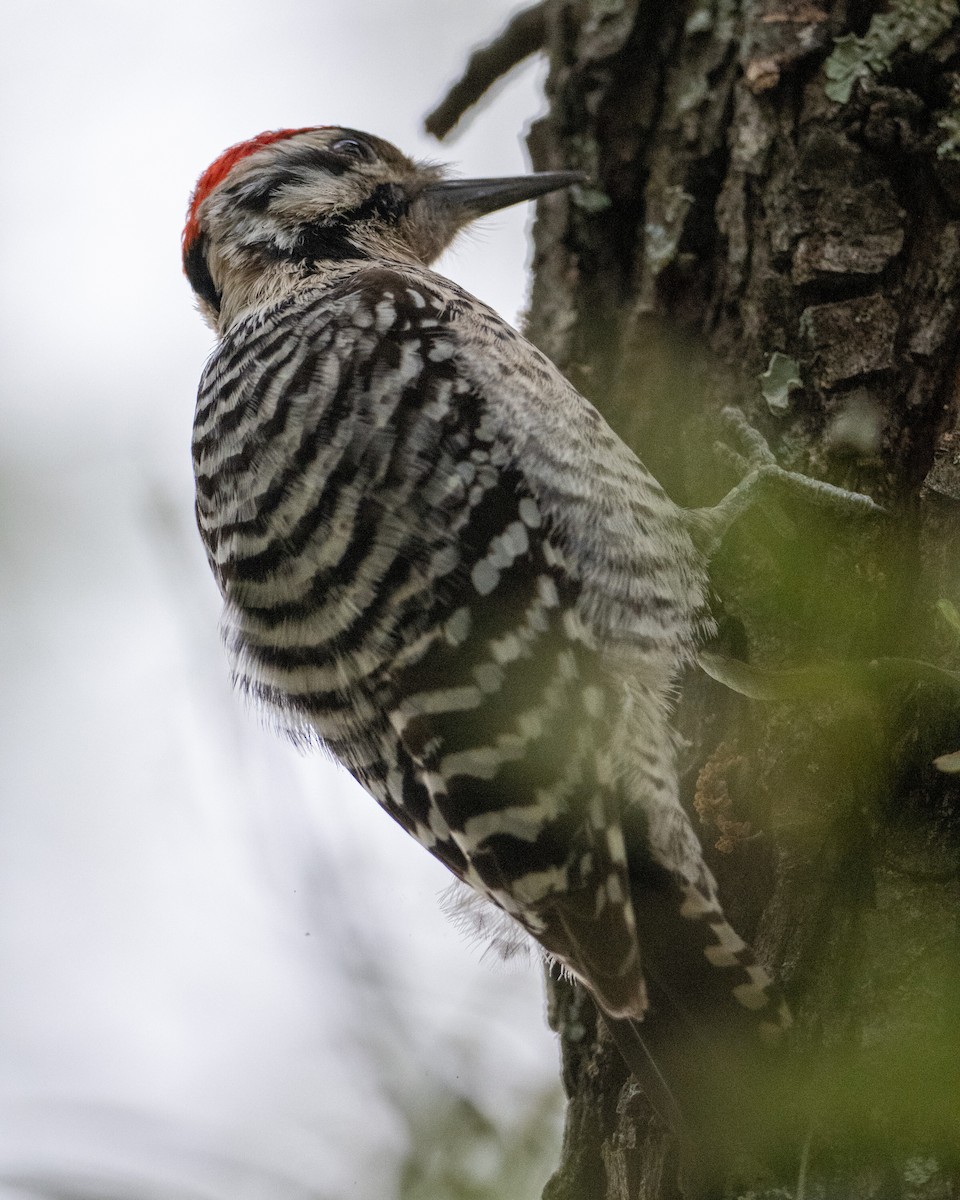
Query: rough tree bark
(774,221)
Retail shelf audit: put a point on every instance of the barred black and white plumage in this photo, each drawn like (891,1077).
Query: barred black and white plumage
(437,559)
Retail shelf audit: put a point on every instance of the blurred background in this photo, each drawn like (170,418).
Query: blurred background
(223,972)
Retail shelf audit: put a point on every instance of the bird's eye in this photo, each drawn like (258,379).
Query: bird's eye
(351,147)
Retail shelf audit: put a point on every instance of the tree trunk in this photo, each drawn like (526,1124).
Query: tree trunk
(774,221)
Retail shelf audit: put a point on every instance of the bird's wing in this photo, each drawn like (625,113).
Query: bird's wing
(502,706)
(620,536)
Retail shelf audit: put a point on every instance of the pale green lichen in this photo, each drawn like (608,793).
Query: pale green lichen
(699,21)
(948,612)
(692,95)
(778,381)
(915,24)
(949,122)
(591,200)
(950,146)
(715,17)
(949,764)
(584,152)
(919,1171)
(662,237)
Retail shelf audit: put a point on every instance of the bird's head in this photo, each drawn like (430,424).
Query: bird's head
(291,203)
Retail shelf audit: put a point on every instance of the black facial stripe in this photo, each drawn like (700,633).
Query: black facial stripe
(198,273)
(388,201)
(323,241)
(329,240)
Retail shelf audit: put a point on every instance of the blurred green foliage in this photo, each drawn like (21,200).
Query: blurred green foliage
(458,1153)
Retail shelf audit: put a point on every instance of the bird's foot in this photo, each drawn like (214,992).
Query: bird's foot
(763,478)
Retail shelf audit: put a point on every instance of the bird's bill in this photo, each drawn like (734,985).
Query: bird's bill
(465,199)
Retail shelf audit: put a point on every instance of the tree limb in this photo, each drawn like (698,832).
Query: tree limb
(523,36)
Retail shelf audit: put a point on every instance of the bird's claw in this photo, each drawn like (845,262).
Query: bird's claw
(759,470)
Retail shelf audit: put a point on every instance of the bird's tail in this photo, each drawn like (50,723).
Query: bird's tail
(721,1091)
(709,1051)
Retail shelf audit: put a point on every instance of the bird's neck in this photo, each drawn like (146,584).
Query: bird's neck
(248,287)
(254,281)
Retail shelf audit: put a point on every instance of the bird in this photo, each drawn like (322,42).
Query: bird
(439,562)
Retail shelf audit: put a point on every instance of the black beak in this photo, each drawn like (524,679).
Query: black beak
(466,199)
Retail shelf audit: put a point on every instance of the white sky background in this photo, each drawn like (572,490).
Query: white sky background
(223,973)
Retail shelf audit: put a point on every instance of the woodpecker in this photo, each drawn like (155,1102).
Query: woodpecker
(440,562)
